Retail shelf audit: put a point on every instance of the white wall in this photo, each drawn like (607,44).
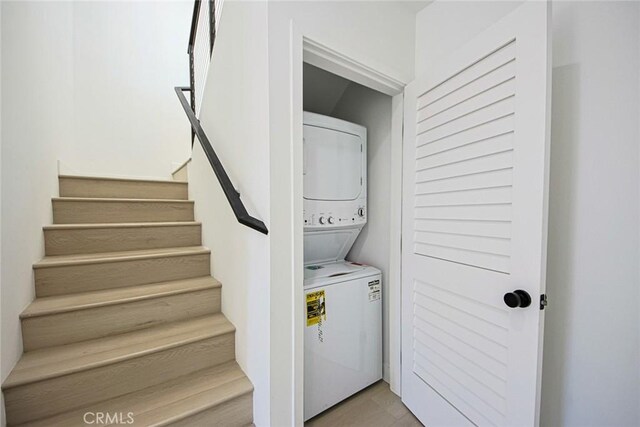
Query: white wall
(321,89)
(591,374)
(235,118)
(593,332)
(372,110)
(89,84)
(36,111)
(445,25)
(127,58)
(377,34)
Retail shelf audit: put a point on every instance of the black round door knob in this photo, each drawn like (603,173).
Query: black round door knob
(518,298)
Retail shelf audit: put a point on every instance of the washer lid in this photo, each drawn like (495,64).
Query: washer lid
(334,269)
(329,245)
(317,275)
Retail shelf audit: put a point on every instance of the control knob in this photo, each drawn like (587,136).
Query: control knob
(321,220)
(361,212)
(330,220)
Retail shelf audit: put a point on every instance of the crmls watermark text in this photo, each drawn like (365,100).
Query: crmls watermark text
(108,418)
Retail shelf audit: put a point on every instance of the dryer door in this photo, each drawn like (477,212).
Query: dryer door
(332,164)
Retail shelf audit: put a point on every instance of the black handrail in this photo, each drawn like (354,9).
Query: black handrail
(233,196)
(194,25)
(212,25)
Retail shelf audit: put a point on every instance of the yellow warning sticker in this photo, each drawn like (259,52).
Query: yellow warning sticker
(316,308)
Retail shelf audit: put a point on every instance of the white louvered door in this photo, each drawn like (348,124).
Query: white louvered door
(474,227)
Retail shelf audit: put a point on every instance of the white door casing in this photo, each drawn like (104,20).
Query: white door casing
(475,185)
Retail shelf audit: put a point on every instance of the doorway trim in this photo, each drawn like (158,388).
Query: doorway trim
(305,49)
(331,60)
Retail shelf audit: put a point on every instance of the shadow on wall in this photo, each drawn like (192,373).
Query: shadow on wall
(565,103)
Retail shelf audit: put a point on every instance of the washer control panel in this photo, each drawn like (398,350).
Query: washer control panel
(335,217)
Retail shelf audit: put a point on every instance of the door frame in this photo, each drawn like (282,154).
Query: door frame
(306,49)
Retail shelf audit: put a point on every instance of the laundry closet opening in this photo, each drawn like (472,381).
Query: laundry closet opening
(347,174)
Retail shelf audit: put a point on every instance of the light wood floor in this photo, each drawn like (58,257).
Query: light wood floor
(375,406)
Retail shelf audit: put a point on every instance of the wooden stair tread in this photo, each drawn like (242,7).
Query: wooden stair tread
(120,225)
(169,401)
(195,404)
(118,200)
(103,257)
(79,301)
(107,178)
(52,362)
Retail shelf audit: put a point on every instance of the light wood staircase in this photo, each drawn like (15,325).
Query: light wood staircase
(126,324)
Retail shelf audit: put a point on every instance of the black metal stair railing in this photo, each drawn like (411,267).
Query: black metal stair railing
(191,109)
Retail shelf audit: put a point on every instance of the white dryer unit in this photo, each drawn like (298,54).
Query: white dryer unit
(334,187)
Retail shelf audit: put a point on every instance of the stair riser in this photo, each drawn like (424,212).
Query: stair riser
(49,397)
(74,326)
(101,211)
(79,187)
(92,277)
(236,412)
(95,240)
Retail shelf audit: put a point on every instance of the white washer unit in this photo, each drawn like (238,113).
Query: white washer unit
(343,330)
(343,351)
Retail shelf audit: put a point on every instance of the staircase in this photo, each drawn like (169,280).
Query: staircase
(126,326)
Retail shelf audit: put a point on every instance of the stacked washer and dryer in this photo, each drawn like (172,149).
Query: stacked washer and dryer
(343,328)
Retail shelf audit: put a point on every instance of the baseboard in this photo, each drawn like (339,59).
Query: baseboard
(181,170)
(386,372)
